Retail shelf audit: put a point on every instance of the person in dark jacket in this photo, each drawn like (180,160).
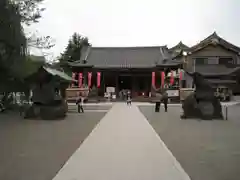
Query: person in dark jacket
(156,95)
(157,102)
(79,103)
(164,100)
(129,99)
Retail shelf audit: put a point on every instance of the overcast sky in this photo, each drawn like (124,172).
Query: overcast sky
(139,22)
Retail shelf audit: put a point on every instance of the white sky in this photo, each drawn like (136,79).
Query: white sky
(139,22)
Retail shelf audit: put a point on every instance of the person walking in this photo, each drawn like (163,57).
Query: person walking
(79,102)
(158,102)
(129,99)
(156,97)
(164,100)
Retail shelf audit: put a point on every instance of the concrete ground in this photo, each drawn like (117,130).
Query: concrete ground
(36,149)
(208,150)
(123,146)
(90,108)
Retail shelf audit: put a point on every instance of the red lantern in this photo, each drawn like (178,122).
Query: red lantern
(73,78)
(98,79)
(180,75)
(162,78)
(80,79)
(89,79)
(172,78)
(153,79)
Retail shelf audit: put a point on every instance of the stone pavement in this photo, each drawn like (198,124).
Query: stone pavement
(37,149)
(146,103)
(123,146)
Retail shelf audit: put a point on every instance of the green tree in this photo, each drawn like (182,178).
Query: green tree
(74,50)
(13,41)
(30,12)
(29,66)
(40,42)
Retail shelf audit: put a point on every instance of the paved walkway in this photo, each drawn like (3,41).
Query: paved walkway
(146,103)
(123,146)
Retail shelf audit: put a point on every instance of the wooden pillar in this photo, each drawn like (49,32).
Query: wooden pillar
(147,83)
(133,85)
(150,81)
(135,88)
(116,86)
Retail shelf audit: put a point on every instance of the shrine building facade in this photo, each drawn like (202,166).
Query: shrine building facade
(139,68)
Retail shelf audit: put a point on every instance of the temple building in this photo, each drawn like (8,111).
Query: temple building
(217,60)
(125,68)
(139,68)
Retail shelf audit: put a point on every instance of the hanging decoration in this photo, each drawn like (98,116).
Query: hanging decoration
(172,78)
(162,78)
(98,79)
(180,75)
(80,80)
(153,79)
(89,79)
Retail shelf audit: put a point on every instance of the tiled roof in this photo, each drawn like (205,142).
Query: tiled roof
(215,70)
(38,58)
(221,81)
(177,51)
(215,39)
(79,64)
(58,73)
(126,57)
(54,72)
(179,46)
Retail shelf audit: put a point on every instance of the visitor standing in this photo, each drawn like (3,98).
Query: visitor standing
(156,96)
(158,102)
(165,100)
(129,99)
(79,102)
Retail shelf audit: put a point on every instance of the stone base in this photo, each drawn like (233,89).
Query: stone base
(202,109)
(53,112)
(46,112)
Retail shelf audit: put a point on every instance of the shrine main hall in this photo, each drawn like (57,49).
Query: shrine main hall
(139,68)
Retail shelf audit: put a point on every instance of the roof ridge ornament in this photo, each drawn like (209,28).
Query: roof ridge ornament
(215,41)
(162,53)
(215,34)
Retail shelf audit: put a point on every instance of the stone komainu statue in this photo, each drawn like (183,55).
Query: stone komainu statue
(201,103)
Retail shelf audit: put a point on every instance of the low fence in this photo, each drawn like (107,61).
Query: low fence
(184,92)
(72,93)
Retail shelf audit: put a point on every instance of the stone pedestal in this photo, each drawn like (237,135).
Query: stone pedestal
(202,109)
(201,103)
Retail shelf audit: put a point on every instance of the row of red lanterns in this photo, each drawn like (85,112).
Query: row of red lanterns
(80,79)
(163,78)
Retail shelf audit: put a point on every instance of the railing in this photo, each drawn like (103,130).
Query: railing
(71,93)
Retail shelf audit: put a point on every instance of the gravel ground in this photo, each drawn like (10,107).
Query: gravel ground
(73,108)
(207,150)
(36,149)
